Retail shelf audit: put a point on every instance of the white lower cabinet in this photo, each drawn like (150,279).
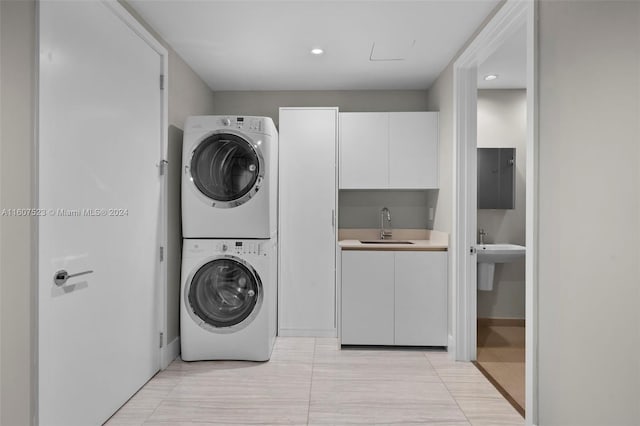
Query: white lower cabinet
(394,298)
(420,298)
(367,298)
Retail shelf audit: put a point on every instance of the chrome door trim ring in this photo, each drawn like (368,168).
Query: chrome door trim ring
(249,194)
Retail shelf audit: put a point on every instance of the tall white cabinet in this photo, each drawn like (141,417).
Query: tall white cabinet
(307,222)
(388,150)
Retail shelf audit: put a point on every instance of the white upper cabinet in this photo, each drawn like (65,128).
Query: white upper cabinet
(413,150)
(397,150)
(364,150)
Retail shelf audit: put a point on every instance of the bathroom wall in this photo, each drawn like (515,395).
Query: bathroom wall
(502,124)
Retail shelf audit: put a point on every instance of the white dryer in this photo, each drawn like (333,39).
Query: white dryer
(228,299)
(229,177)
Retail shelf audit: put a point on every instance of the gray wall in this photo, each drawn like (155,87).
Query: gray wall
(409,209)
(174,234)
(17,74)
(440,98)
(589,223)
(187,95)
(502,123)
(357,209)
(267,103)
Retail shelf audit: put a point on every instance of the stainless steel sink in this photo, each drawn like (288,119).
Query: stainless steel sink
(385,242)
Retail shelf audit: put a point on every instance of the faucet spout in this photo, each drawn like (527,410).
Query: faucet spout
(384,232)
(482,233)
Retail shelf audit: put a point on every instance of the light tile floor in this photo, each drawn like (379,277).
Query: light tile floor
(311,381)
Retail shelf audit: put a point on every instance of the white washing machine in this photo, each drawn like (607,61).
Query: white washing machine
(228,299)
(229,177)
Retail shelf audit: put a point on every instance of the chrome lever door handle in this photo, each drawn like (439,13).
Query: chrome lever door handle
(60,278)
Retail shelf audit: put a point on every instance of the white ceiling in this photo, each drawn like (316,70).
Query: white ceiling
(264,45)
(509,63)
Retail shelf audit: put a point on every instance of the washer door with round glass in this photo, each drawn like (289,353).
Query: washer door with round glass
(224,294)
(226,169)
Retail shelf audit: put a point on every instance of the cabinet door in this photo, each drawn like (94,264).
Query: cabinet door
(421,298)
(413,150)
(367,298)
(306,225)
(364,150)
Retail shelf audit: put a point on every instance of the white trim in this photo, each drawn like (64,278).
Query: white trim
(512,16)
(136,26)
(532,200)
(148,38)
(294,332)
(171,352)
(451,346)
(465,100)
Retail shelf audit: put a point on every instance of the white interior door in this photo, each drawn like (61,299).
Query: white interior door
(100,140)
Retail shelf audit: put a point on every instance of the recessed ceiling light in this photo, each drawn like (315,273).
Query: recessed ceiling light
(490,77)
(317,51)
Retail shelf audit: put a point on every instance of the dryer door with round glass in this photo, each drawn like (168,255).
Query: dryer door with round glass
(224,294)
(226,169)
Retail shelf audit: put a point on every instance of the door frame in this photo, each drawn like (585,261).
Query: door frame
(511,16)
(165,355)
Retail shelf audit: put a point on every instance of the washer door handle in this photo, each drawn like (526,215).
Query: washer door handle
(60,278)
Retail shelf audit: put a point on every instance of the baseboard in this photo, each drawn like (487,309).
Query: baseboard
(505,322)
(292,332)
(169,353)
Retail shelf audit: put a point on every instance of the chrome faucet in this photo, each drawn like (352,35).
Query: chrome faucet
(384,232)
(482,233)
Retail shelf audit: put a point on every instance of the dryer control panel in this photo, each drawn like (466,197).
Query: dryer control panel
(250,124)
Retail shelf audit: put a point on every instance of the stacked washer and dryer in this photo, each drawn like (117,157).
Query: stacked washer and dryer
(229,224)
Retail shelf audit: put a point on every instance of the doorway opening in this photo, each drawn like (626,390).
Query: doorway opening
(501,217)
(495,205)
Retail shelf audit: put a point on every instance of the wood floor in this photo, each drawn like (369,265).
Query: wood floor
(312,382)
(501,355)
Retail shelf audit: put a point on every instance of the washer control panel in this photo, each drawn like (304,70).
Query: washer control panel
(241,247)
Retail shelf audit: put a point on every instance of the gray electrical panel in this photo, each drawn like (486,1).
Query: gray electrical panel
(496,178)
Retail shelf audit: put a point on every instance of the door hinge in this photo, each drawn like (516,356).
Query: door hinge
(161,339)
(163,167)
(161,254)
(161,81)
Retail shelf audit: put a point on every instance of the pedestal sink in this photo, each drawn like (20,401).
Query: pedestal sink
(489,255)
